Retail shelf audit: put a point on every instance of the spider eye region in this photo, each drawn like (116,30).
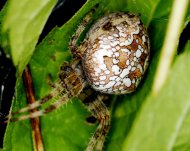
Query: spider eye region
(116,53)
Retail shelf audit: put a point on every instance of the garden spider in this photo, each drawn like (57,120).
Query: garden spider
(112,59)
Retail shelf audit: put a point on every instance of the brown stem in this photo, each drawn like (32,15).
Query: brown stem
(36,133)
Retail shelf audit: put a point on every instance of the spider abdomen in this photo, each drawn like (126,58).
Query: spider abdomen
(116,53)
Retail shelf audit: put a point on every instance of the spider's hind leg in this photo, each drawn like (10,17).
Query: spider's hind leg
(94,103)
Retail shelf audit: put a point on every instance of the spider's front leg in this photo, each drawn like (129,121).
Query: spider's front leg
(76,50)
(94,103)
(70,84)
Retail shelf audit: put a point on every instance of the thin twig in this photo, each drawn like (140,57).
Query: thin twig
(170,43)
(36,133)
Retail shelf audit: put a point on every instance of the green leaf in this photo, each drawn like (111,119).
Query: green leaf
(163,122)
(66,128)
(22,26)
(2,14)
(149,10)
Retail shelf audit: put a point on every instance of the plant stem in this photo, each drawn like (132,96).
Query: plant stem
(170,43)
(35,122)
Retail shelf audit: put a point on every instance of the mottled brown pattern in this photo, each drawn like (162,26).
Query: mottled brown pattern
(131,88)
(107,26)
(123,56)
(131,56)
(133,46)
(108,61)
(143,58)
(139,37)
(135,74)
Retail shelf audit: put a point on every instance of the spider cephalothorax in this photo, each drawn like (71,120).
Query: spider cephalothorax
(112,59)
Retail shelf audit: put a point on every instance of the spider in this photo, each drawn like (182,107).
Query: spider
(112,59)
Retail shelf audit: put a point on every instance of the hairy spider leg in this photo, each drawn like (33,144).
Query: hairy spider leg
(63,100)
(70,85)
(100,111)
(94,103)
(38,103)
(57,88)
(76,50)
